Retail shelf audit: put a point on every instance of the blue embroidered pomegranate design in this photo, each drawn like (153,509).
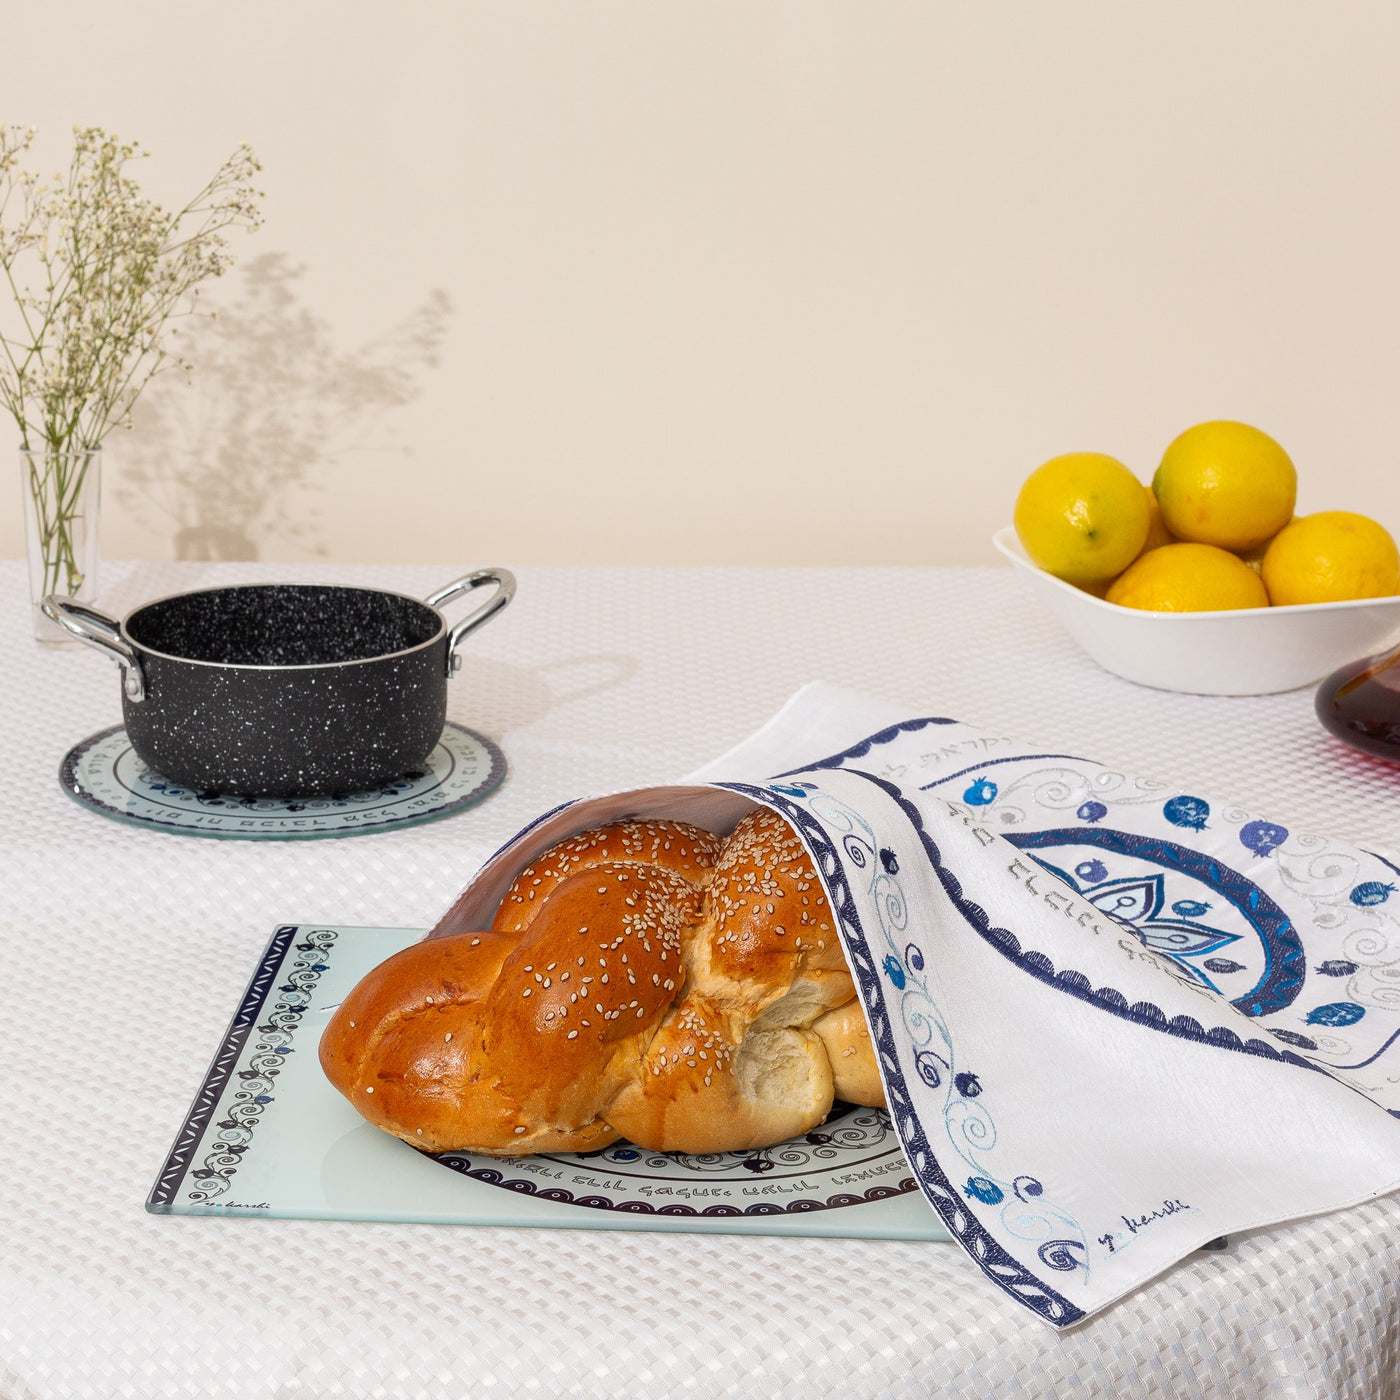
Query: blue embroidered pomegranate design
(1185,905)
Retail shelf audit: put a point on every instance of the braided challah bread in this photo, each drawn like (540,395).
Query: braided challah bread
(646,980)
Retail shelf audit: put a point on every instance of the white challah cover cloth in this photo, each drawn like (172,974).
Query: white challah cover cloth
(1114,1021)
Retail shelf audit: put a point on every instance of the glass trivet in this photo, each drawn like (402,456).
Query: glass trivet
(104,774)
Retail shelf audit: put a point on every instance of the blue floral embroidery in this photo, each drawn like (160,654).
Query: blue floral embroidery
(1277,986)
(1285,965)
(1187,811)
(1092,812)
(982,792)
(1336,967)
(1371,892)
(1282,979)
(1336,1013)
(1063,1255)
(988,1192)
(931,1067)
(840,851)
(1136,902)
(1000,1267)
(1263,838)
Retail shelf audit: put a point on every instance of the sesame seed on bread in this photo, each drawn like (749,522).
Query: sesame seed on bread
(646,980)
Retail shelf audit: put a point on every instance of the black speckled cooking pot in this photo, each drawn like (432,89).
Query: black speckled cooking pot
(285,690)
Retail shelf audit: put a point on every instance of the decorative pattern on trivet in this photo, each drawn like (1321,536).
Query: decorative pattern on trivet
(104,774)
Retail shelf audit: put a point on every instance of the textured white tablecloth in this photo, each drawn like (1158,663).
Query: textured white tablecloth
(124,952)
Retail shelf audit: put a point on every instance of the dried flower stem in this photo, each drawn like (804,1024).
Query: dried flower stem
(56,482)
(95,272)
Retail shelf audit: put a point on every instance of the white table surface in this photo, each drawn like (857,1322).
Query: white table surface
(124,952)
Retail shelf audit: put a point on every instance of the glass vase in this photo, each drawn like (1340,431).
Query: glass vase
(62,497)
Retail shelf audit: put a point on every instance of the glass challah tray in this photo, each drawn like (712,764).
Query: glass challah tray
(268,1136)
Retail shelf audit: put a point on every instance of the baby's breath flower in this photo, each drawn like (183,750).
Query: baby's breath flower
(115,268)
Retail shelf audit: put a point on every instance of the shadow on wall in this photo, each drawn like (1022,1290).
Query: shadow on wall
(236,455)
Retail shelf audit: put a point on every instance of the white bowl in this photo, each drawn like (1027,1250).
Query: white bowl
(1241,651)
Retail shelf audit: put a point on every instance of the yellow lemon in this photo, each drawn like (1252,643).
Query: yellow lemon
(1225,484)
(1330,556)
(1188,577)
(1082,517)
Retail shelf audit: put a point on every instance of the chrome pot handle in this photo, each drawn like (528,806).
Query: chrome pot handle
(102,633)
(505,591)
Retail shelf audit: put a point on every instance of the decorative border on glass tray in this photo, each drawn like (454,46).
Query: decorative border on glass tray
(852,1137)
(246,1108)
(801,1206)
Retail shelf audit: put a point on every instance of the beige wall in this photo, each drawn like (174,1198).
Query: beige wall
(809,282)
